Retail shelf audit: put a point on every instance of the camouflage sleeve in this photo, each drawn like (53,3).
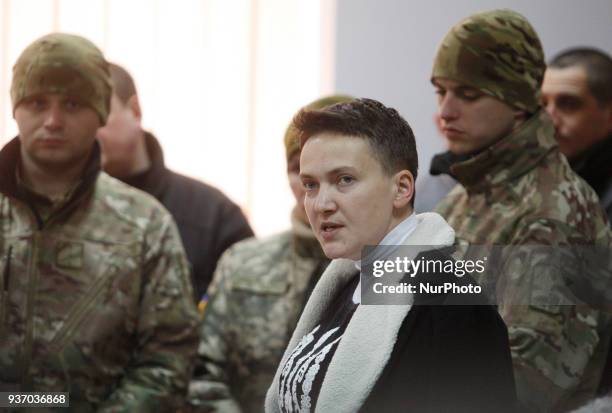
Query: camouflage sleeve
(209,389)
(157,376)
(554,343)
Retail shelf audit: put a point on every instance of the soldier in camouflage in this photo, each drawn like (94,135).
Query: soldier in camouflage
(95,293)
(257,295)
(516,190)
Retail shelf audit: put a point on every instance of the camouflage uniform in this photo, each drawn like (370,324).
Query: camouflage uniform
(521,191)
(95,293)
(258,292)
(96,297)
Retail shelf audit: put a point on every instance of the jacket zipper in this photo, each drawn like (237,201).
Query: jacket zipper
(32,274)
(29,330)
(4,294)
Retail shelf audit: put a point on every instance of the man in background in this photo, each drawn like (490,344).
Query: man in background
(577,94)
(207,220)
(517,191)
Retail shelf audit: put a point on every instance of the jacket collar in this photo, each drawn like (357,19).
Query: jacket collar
(10,157)
(512,156)
(155,179)
(441,163)
(387,246)
(368,341)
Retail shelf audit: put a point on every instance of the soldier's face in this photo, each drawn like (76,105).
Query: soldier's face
(579,119)
(349,197)
(56,131)
(471,120)
(119,137)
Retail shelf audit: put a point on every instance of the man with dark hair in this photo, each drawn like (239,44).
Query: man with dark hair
(92,271)
(577,94)
(357,165)
(207,220)
(517,190)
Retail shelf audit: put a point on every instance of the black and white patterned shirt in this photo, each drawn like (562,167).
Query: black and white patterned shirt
(305,368)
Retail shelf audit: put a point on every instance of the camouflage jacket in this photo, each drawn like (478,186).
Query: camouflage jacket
(258,292)
(519,192)
(96,299)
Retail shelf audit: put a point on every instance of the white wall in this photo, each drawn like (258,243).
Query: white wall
(385,48)
(218,80)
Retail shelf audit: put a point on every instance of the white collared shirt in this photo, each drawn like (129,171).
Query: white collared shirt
(395,237)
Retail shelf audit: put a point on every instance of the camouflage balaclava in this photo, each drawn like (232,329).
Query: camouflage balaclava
(497,52)
(292,135)
(65,64)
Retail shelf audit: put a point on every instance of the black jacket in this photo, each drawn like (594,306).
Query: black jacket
(445,353)
(207,220)
(595,167)
(445,347)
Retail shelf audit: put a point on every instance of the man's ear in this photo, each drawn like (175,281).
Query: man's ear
(404,189)
(134,106)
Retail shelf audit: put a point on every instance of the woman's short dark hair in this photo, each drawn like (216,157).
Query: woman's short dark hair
(387,133)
